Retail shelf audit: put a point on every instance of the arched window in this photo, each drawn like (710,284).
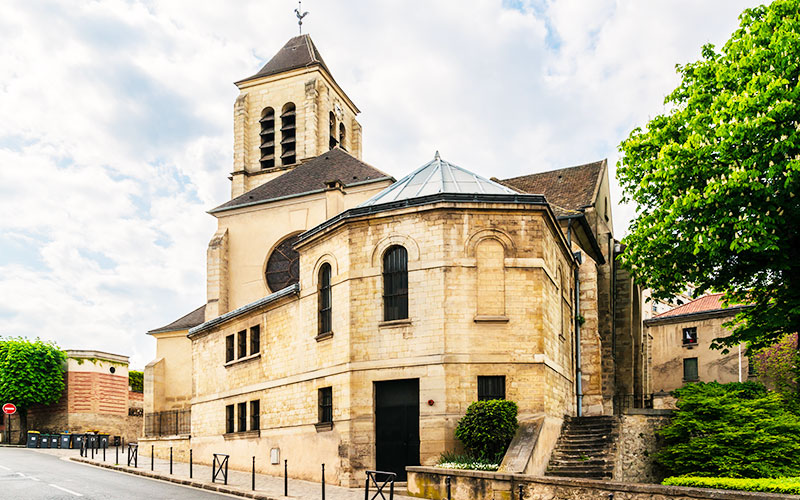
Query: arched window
(395,283)
(324,299)
(288,134)
(267,138)
(342,134)
(332,129)
(283,265)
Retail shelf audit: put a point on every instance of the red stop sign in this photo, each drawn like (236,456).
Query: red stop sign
(9,409)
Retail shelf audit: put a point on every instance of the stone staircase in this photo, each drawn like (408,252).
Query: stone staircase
(585,449)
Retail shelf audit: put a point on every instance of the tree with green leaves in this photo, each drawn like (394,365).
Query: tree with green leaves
(716,179)
(31,373)
(777,365)
(731,430)
(136,380)
(488,428)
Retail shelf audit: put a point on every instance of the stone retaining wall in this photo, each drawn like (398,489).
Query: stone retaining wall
(637,444)
(429,482)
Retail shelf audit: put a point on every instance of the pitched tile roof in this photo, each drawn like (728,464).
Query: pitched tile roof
(569,188)
(299,52)
(310,176)
(194,318)
(705,303)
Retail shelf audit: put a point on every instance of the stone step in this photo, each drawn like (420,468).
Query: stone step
(579,463)
(588,440)
(584,475)
(577,455)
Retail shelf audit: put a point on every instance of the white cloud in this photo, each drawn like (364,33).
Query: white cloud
(116,129)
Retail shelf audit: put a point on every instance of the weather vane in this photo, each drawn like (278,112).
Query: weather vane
(299,15)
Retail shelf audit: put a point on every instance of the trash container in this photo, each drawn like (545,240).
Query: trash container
(91,440)
(44,440)
(103,440)
(52,441)
(33,439)
(64,441)
(116,440)
(77,440)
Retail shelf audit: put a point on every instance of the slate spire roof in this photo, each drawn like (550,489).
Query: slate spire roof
(437,176)
(299,52)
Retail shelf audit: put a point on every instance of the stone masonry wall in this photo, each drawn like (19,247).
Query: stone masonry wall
(637,444)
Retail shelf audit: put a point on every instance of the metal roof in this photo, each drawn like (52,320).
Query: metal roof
(437,176)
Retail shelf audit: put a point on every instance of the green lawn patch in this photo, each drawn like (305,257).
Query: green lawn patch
(787,485)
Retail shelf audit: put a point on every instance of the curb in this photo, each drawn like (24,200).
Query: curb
(228,490)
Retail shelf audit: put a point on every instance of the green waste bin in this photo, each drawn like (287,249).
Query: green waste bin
(44,441)
(77,440)
(33,439)
(63,442)
(103,440)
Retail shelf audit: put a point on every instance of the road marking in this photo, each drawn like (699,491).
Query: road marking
(64,489)
(4,467)
(23,476)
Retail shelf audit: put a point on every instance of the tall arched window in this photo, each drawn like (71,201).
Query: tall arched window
(288,134)
(267,138)
(332,130)
(395,283)
(324,299)
(342,134)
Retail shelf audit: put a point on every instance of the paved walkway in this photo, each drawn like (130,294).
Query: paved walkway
(239,483)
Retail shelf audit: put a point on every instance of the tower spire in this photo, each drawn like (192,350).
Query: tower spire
(299,15)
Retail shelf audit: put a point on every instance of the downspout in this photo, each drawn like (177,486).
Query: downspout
(578,371)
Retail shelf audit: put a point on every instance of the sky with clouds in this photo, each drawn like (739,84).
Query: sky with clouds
(116,124)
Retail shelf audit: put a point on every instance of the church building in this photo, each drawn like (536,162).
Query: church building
(351,318)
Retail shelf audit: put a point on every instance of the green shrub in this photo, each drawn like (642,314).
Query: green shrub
(487,428)
(786,485)
(731,430)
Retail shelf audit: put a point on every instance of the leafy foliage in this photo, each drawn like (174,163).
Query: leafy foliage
(454,460)
(136,380)
(731,430)
(716,179)
(779,365)
(786,485)
(487,428)
(31,372)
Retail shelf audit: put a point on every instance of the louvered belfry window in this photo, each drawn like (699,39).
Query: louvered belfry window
(342,136)
(267,138)
(325,306)
(395,284)
(332,130)
(288,135)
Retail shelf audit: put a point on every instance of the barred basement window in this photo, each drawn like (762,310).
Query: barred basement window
(243,343)
(325,405)
(267,135)
(491,387)
(229,419)
(229,351)
(255,339)
(242,423)
(288,134)
(332,130)
(342,136)
(255,415)
(324,299)
(690,370)
(395,284)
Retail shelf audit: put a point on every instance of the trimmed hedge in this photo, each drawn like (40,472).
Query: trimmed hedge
(786,485)
(487,428)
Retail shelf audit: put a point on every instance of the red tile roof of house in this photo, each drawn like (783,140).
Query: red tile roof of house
(705,303)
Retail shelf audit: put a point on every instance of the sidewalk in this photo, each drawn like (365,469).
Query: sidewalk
(239,483)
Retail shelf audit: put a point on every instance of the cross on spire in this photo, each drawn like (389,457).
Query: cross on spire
(299,15)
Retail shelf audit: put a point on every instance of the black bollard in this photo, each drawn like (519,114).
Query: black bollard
(520,492)
(104,454)
(447,482)
(152,457)
(286,478)
(170,460)
(92,447)
(323,481)
(253,476)
(117,461)
(190,463)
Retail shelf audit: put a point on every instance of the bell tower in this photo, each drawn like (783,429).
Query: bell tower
(288,112)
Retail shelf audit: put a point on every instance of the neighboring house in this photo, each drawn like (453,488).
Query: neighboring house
(96,397)
(351,319)
(680,346)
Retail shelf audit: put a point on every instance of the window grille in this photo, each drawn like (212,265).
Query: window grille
(229,419)
(242,420)
(288,134)
(395,284)
(255,339)
(267,135)
(690,336)
(255,415)
(229,351)
(690,370)
(491,387)
(243,343)
(326,404)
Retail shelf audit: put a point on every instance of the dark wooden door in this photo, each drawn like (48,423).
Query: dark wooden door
(397,425)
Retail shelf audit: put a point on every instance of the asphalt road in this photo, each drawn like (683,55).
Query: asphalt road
(32,475)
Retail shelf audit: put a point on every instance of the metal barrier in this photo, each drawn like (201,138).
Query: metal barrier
(168,423)
(380,484)
(133,454)
(623,402)
(219,466)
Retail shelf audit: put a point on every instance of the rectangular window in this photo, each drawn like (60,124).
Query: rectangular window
(243,343)
(255,339)
(326,404)
(242,423)
(491,387)
(229,419)
(690,370)
(255,415)
(229,353)
(751,366)
(690,336)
